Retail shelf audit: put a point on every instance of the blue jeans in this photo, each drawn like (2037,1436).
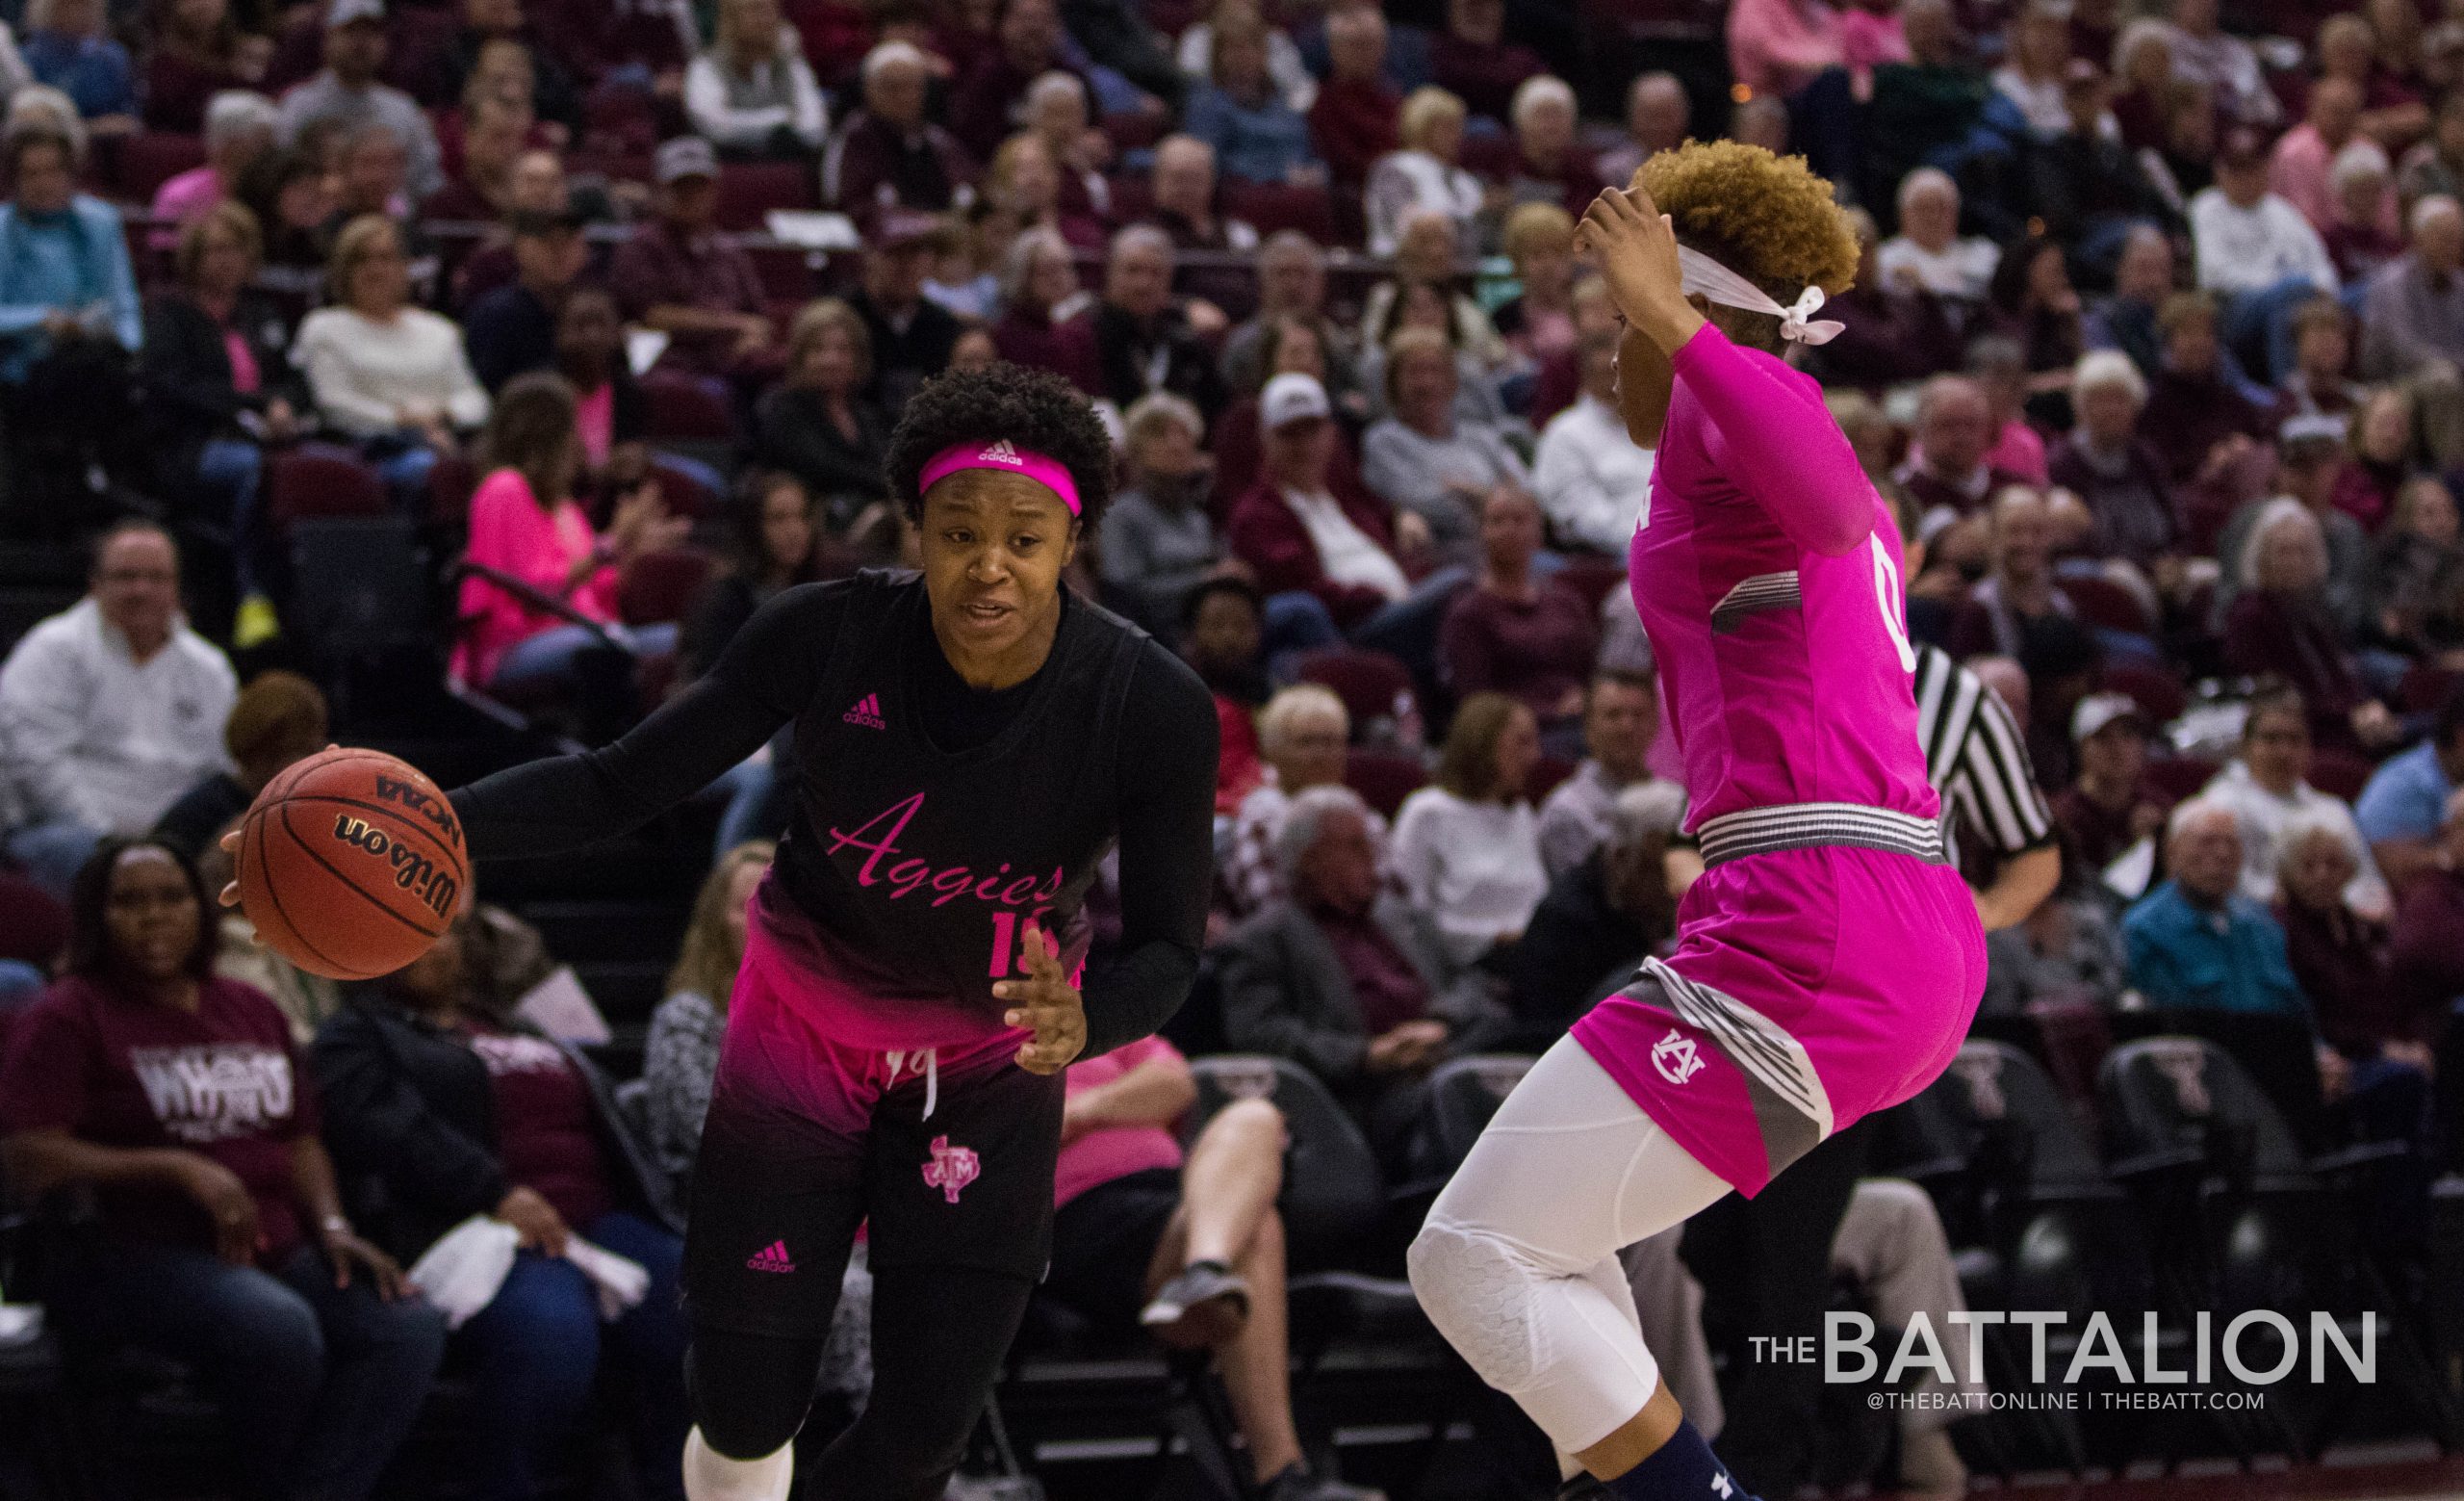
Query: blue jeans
(51,852)
(534,1355)
(755,808)
(2261,322)
(405,461)
(550,655)
(232,469)
(19,984)
(317,1384)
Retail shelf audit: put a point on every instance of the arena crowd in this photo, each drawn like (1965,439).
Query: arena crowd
(2155,349)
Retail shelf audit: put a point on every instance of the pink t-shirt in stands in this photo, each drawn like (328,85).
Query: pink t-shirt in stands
(1100,1156)
(512,534)
(594,415)
(246,377)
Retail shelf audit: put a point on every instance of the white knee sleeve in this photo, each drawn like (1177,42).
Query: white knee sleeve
(1557,1344)
(712,1476)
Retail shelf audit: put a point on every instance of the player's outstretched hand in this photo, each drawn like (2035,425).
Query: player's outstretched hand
(1636,247)
(1046,1003)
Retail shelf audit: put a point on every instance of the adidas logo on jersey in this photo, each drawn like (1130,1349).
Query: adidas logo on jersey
(1001,452)
(772,1257)
(866,712)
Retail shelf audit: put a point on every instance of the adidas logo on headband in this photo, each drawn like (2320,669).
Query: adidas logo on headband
(1001,452)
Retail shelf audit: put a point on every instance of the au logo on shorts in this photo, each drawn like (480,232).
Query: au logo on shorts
(951,1168)
(1674,1057)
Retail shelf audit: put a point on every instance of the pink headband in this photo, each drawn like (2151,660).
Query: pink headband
(1002,454)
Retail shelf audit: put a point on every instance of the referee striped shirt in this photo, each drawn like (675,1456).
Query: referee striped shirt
(1977,758)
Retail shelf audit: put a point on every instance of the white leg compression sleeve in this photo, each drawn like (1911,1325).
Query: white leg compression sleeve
(712,1476)
(1517,1263)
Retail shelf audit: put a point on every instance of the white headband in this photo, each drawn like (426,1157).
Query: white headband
(1715,281)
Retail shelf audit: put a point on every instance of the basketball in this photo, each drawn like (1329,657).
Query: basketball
(351,864)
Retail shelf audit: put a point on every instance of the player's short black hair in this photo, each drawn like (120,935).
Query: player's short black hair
(1032,408)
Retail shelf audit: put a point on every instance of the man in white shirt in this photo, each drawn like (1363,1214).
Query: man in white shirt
(1593,481)
(1620,720)
(2256,251)
(111,710)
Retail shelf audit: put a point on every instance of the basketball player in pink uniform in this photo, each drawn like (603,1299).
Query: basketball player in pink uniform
(1829,960)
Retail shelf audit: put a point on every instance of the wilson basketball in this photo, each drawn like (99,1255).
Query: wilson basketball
(351,863)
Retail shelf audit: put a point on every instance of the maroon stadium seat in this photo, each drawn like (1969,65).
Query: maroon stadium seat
(1272,206)
(2339,773)
(2427,685)
(2101,602)
(748,190)
(682,408)
(1591,577)
(2158,691)
(2177,777)
(1546,774)
(321,479)
(148,159)
(1375,687)
(660,586)
(1384,778)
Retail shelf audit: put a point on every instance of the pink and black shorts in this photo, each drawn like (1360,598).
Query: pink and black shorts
(949,1153)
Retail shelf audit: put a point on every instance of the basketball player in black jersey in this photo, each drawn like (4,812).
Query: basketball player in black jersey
(969,743)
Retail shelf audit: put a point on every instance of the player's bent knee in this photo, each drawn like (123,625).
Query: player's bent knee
(1479,1294)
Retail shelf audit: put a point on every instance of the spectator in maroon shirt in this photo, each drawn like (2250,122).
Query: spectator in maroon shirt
(2317,385)
(1889,334)
(2339,957)
(1354,119)
(598,37)
(2117,473)
(2020,585)
(1040,300)
(1472,59)
(1946,468)
(1349,981)
(990,102)
(678,277)
(2279,625)
(447,1113)
(2109,807)
(486,21)
(175,1098)
(888,155)
(2428,951)
(1511,633)
(198,51)
(1024,183)
(1056,113)
(2197,420)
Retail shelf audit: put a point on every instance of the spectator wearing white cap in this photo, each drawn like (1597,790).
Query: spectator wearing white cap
(750,94)
(2109,807)
(349,93)
(888,154)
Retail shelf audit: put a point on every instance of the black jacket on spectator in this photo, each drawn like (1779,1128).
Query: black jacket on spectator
(508,332)
(191,824)
(1285,989)
(1125,345)
(410,1117)
(792,431)
(1576,949)
(185,375)
(908,353)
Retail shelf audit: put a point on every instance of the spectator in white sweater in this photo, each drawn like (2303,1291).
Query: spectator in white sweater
(390,376)
(1467,850)
(1592,481)
(752,94)
(109,711)
(2256,251)
(1928,253)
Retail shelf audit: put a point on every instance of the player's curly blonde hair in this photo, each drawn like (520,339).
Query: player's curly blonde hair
(1767,218)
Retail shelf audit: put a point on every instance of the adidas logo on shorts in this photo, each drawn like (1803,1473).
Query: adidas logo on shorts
(866,712)
(772,1257)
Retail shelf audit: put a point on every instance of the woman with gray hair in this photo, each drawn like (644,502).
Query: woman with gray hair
(239,129)
(1603,915)
(2106,463)
(1039,294)
(1157,541)
(2280,626)
(1303,736)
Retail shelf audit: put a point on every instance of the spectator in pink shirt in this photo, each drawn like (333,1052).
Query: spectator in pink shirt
(526,524)
(239,129)
(2299,169)
(1188,1245)
(1777,46)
